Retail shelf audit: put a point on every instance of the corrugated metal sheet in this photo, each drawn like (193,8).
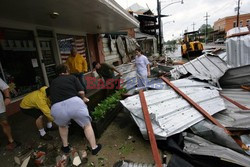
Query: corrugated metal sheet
(238,49)
(233,117)
(205,67)
(128,78)
(235,77)
(110,56)
(198,146)
(169,112)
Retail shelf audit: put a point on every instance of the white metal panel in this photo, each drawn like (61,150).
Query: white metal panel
(204,67)
(170,113)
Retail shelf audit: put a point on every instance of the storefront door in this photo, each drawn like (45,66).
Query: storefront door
(48,58)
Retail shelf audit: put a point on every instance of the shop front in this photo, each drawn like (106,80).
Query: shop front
(37,36)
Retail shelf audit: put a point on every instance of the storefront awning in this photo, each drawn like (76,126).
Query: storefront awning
(91,16)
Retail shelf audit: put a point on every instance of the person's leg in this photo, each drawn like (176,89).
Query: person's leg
(63,131)
(89,133)
(38,115)
(7,130)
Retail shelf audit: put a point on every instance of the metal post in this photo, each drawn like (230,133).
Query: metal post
(238,14)
(159,24)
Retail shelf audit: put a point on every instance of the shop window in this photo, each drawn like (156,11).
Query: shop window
(234,24)
(19,65)
(241,23)
(66,42)
(248,23)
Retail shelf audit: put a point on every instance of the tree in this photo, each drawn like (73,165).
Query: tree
(202,29)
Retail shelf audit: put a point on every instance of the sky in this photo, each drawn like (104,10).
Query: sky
(191,11)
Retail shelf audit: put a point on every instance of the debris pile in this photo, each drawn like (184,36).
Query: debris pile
(209,109)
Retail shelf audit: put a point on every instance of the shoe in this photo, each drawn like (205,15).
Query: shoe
(53,128)
(13,145)
(97,149)
(66,150)
(46,137)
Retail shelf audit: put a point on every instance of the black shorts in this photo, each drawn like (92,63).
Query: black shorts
(33,112)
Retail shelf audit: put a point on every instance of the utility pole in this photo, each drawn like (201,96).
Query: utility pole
(159,24)
(238,14)
(206,27)
(193,26)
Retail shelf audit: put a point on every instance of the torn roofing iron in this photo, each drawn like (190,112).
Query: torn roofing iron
(205,67)
(235,77)
(128,78)
(196,145)
(233,117)
(170,113)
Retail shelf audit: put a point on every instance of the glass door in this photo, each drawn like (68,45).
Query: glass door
(48,58)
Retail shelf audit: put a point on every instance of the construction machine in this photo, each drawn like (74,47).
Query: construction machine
(191,46)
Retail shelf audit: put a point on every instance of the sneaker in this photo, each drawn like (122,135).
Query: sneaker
(13,145)
(66,150)
(46,137)
(53,128)
(97,149)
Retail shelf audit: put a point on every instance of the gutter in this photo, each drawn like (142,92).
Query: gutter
(116,7)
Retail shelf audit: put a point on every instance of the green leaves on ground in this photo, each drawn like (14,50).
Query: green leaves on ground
(106,105)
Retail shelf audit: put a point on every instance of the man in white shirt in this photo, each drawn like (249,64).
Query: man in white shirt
(3,117)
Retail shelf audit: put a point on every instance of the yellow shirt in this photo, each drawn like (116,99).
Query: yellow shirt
(38,99)
(77,64)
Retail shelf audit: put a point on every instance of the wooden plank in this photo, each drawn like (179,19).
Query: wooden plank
(150,130)
(234,102)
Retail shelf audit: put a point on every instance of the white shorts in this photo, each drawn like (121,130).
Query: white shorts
(73,108)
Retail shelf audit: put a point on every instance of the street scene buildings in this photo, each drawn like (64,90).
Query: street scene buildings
(124,83)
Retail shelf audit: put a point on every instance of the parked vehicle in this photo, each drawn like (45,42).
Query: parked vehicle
(219,41)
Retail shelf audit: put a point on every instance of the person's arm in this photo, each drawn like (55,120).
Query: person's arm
(44,107)
(148,69)
(7,99)
(119,73)
(148,66)
(80,90)
(85,65)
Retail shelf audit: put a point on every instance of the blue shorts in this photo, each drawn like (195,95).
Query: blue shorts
(73,108)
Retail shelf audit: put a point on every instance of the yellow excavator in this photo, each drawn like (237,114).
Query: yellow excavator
(191,47)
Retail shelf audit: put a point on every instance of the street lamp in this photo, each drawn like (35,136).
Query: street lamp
(159,20)
(172,4)
(169,22)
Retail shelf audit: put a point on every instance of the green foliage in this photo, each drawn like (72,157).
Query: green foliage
(107,104)
(203,28)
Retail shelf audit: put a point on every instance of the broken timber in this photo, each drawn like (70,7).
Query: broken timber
(204,113)
(234,102)
(150,130)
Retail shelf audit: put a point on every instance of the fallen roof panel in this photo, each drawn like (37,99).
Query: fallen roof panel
(205,67)
(169,112)
(196,145)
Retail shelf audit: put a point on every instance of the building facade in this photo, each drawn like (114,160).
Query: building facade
(37,36)
(230,22)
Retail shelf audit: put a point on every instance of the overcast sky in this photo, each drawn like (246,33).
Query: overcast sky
(192,11)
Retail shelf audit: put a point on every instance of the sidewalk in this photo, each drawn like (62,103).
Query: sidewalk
(122,140)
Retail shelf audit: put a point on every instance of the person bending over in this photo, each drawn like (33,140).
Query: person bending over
(37,105)
(68,102)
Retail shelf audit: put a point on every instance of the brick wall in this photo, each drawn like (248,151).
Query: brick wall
(227,23)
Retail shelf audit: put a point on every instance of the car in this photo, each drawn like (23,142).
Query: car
(219,41)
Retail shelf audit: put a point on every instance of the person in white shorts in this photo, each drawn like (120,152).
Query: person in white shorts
(68,102)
